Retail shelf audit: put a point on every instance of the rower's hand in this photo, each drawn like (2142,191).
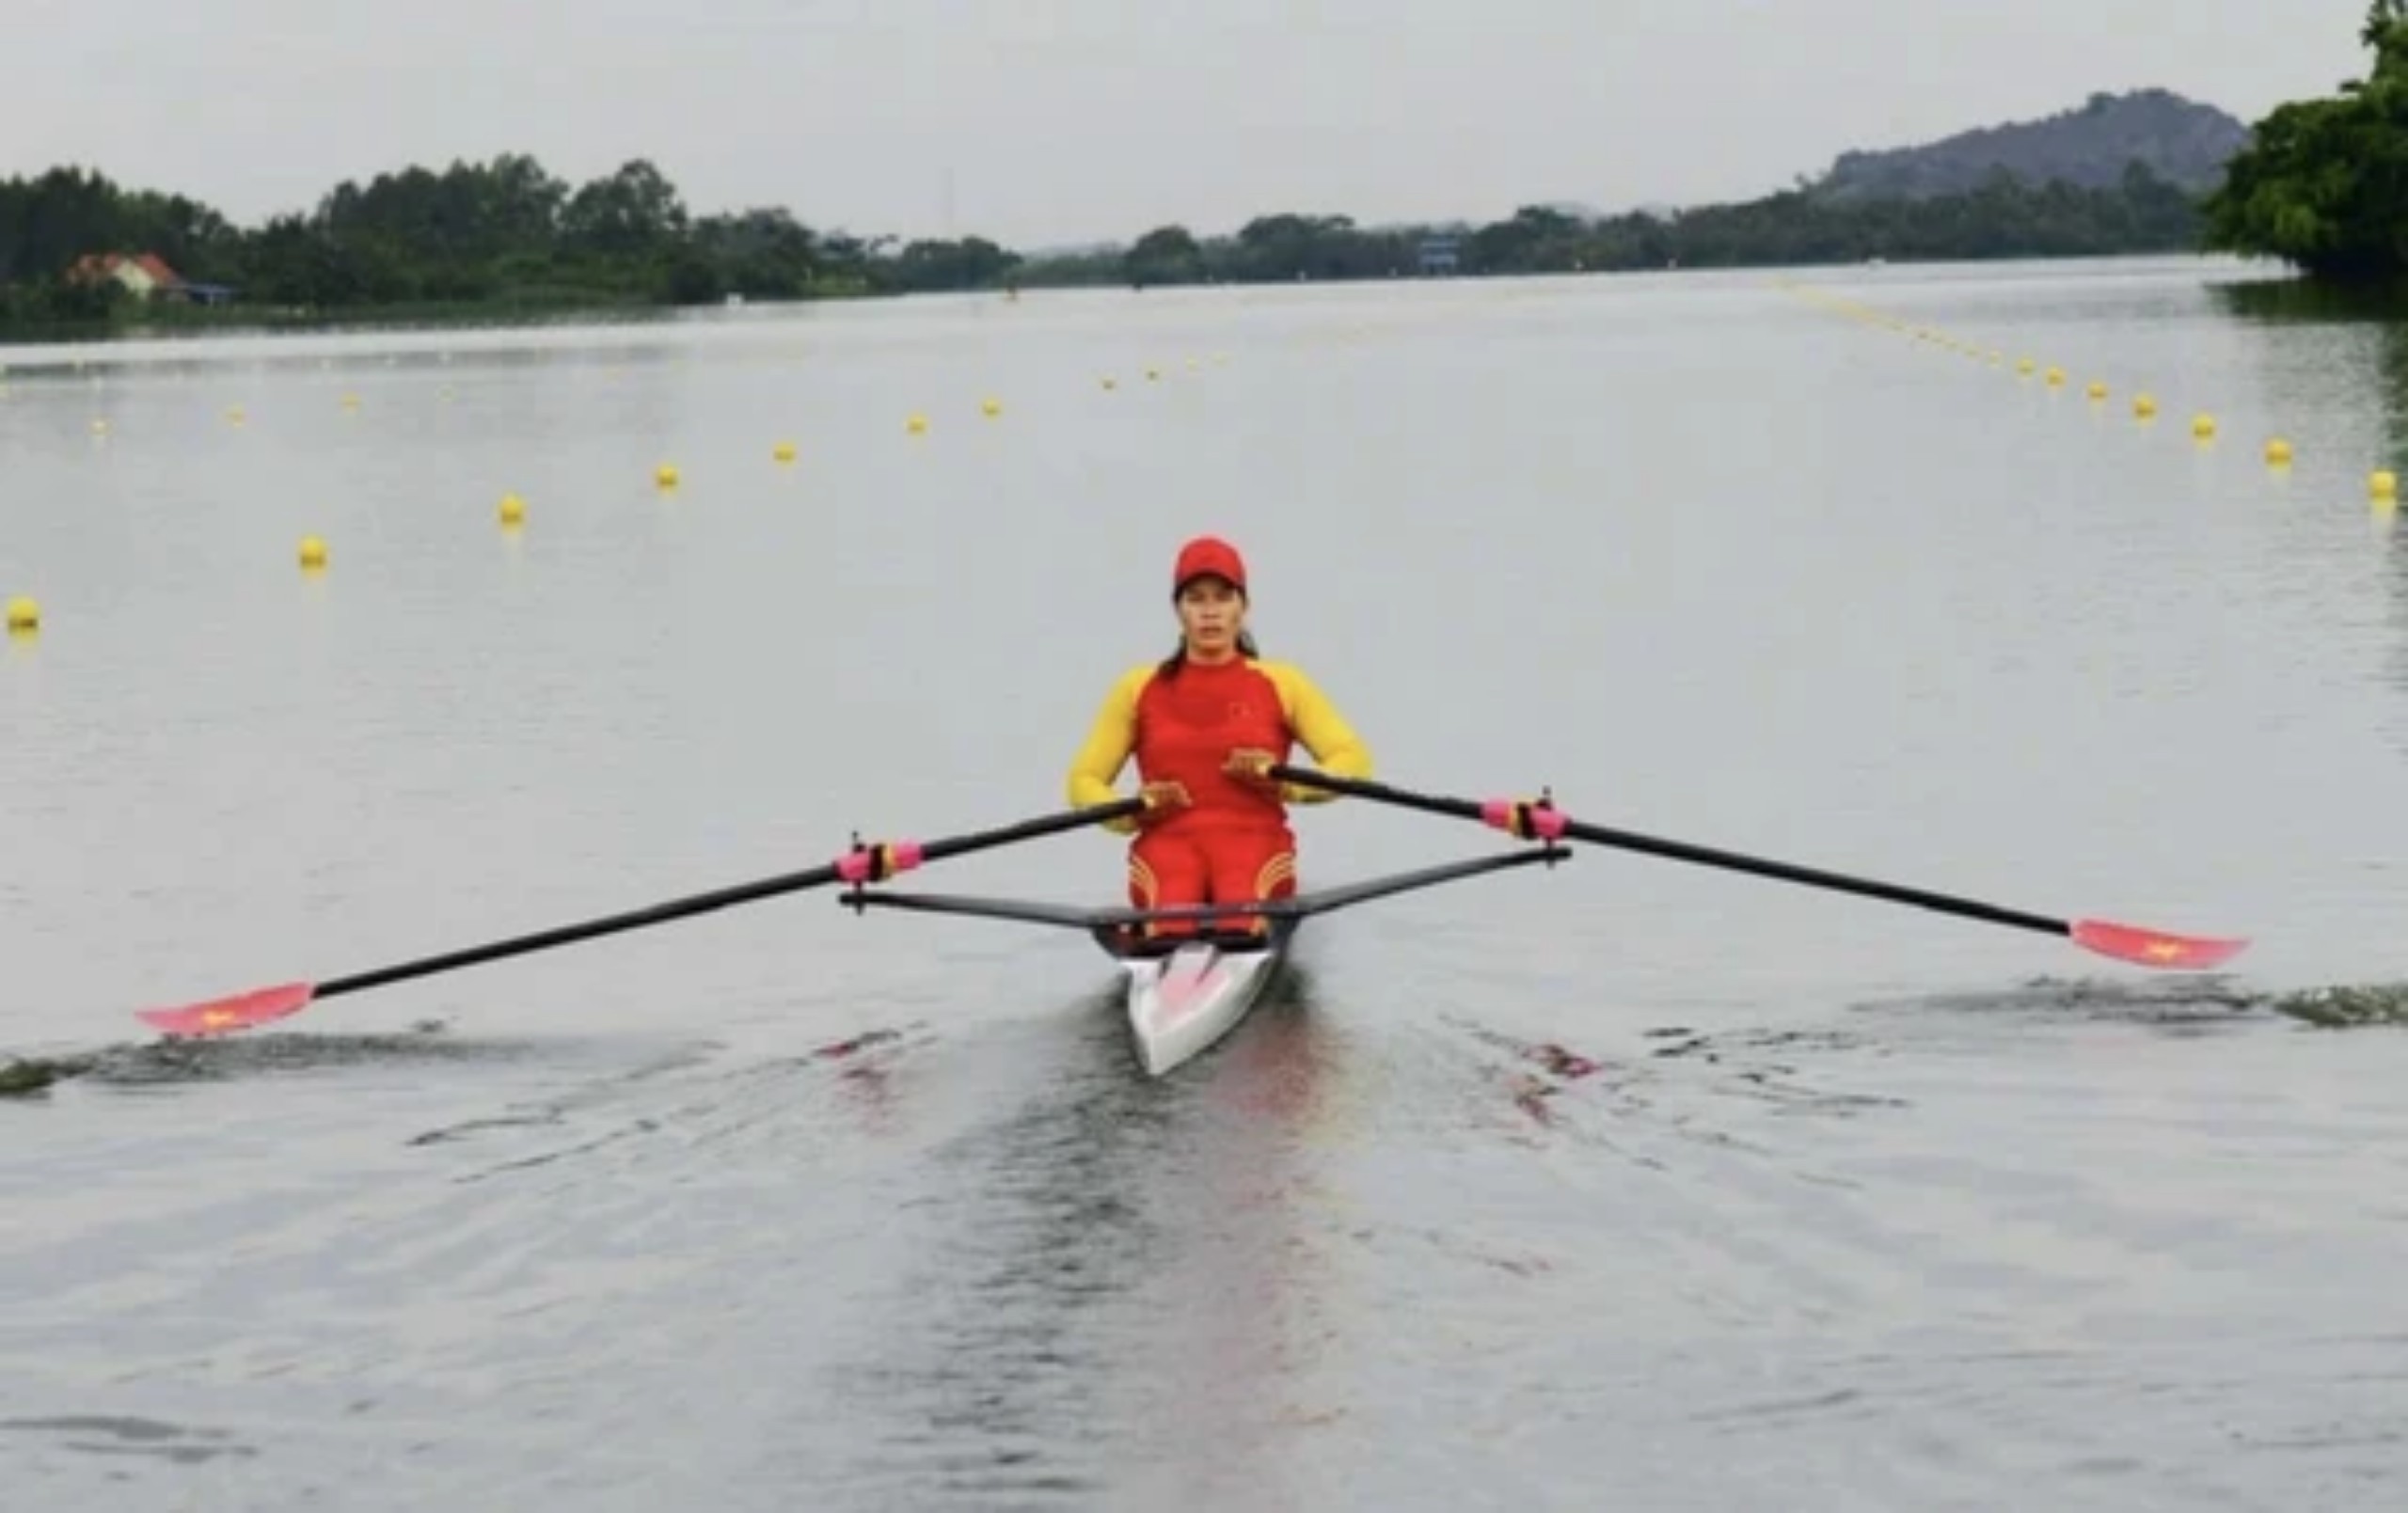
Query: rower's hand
(1161,798)
(1252,768)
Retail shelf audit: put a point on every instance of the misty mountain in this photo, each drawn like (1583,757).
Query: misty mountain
(2179,141)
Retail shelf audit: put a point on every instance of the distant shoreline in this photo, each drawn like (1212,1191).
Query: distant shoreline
(178,320)
(165,320)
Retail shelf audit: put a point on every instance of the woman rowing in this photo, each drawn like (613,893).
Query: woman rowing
(1204,724)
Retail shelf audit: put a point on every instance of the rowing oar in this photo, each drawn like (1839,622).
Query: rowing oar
(1541,820)
(862,864)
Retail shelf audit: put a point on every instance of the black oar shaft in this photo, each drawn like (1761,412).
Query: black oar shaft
(1382,793)
(1682,851)
(1815,878)
(680,908)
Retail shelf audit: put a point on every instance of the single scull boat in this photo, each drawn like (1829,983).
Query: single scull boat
(1185,990)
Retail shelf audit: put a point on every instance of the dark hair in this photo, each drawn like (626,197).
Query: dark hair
(1169,666)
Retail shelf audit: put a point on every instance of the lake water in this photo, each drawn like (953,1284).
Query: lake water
(1624,1184)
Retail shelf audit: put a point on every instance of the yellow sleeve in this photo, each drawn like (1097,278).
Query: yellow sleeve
(1096,767)
(1320,728)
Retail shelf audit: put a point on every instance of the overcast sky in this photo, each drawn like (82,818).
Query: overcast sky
(1049,121)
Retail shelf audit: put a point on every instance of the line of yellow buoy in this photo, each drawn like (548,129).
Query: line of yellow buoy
(2382,484)
(24,615)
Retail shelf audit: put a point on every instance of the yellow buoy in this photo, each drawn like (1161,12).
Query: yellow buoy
(2056,378)
(99,427)
(24,616)
(2383,484)
(351,401)
(1112,383)
(990,407)
(512,510)
(2278,452)
(2098,390)
(783,451)
(2143,408)
(234,414)
(2203,425)
(665,475)
(2026,365)
(917,425)
(1152,374)
(314,553)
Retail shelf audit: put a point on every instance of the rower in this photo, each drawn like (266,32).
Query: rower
(1204,724)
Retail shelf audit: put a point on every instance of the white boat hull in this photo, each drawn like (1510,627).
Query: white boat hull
(1181,1004)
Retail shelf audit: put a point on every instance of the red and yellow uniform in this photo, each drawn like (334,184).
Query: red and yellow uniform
(1231,842)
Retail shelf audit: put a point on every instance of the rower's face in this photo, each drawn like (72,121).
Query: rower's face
(1210,614)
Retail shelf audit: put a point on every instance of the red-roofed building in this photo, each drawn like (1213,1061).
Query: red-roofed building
(144,274)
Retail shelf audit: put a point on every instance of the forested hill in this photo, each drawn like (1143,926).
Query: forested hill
(2120,175)
(2183,142)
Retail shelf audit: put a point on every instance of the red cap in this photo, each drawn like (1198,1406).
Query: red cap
(1208,554)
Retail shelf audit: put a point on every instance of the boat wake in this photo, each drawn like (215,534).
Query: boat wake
(693,1098)
(2346,1006)
(1785,1069)
(1535,1072)
(2176,1005)
(2172,1002)
(1556,1088)
(171,1061)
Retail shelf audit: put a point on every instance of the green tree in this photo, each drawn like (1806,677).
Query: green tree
(930,266)
(761,253)
(2324,183)
(1166,255)
(2382,17)
(1536,239)
(635,210)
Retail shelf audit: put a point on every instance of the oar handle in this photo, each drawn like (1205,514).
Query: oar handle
(864,864)
(1541,820)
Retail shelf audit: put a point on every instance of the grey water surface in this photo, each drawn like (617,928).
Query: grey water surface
(1623,1184)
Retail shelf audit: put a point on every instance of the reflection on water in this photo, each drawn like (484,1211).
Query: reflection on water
(1117,1260)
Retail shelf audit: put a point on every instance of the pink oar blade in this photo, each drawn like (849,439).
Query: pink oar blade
(2155,948)
(219,1016)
